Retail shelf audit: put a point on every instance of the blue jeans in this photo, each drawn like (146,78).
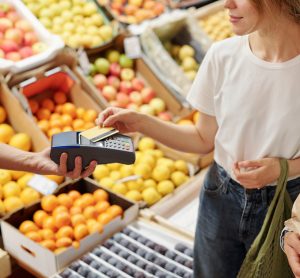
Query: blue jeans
(229,219)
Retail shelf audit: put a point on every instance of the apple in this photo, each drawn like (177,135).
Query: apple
(114,103)
(109,92)
(136,98)
(125,87)
(39,47)
(147,95)
(14,34)
(5,24)
(4,7)
(115,69)
(12,16)
(132,106)
(122,99)
(23,25)
(30,38)
(165,115)
(147,109)
(137,84)
(158,105)
(2,54)
(9,46)
(125,62)
(114,81)
(26,52)
(102,65)
(127,74)
(137,3)
(13,56)
(113,56)
(100,80)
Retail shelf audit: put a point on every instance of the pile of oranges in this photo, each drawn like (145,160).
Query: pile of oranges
(56,114)
(67,218)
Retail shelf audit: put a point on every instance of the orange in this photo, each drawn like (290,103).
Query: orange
(34,105)
(104,218)
(57,179)
(53,131)
(62,219)
(47,234)
(17,174)
(2,115)
(21,141)
(77,219)
(6,133)
(59,250)
(80,112)
(60,98)
(90,115)
(65,231)
(11,189)
(23,181)
(29,196)
(55,116)
(79,203)
(102,206)
(66,120)
(34,236)
(67,128)
(65,200)
(59,209)
(100,195)
(49,203)
(75,210)
(88,125)
(43,125)
(69,109)
(63,242)
(43,114)
(58,109)
(55,123)
(49,223)
(49,244)
(28,226)
(48,104)
(95,227)
(90,212)
(80,231)
(5,176)
(78,124)
(76,244)
(88,199)
(74,194)
(114,211)
(39,216)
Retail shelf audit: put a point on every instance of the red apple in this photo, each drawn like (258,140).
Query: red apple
(125,87)
(100,80)
(30,38)
(132,106)
(5,24)
(26,52)
(122,99)
(117,7)
(2,14)
(165,115)
(137,84)
(13,56)
(109,92)
(158,105)
(136,98)
(2,54)
(115,69)
(114,81)
(147,95)
(23,25)
(13,16)
(9,46)
(14,34)
(127,74)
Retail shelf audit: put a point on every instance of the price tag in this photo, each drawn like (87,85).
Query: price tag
(129,178)
(42,184)
(132,47)
(84,61)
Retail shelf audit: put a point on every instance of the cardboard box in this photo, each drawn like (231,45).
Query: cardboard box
(45,263)
(4,264)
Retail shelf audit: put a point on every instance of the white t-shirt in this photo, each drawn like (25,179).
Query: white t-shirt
(256,103)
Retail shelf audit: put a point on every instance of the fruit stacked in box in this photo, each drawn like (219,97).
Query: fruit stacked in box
(131,254)
(134,11)
(65,219)
(116,79)
(192,119)
(18,39)
(150,178)
(80,23)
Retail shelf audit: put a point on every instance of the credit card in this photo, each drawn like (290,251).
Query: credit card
(96,133)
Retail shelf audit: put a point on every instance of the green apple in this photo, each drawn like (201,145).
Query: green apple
(106,32)
(39,47)
(125,62)
(102,65)
(113,56)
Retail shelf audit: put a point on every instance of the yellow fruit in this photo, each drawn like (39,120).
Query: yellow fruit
(148,159)
(126,170)
(182,166)
(134,195)
(115,175)
(166,161)
(113,166)
(106,182)
(178,178)
(146,143)
(57,179)
(17,174)
(101,172)
(165,187)
(2,115)
(6,133)
(12,203)
(138,156)
(120,188)
(161,172)
(29,196)
(196,117)
(143,170)
(1,192)
(5,176)
(151,196)
(149,183)
(2,208)
(133,185)
(11,189)
(158,153)
(185,122)
(21,141)
(23,181)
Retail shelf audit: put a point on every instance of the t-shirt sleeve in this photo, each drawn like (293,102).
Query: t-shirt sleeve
(201,94)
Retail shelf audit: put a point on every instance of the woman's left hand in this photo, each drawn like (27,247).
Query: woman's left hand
(258,173)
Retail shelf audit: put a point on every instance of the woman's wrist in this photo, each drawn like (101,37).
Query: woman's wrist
(294,167)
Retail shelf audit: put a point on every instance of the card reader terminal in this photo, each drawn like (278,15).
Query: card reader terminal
(117,148)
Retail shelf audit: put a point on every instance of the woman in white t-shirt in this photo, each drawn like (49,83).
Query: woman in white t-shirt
(247,90)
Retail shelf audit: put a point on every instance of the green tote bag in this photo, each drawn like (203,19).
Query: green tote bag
(265,259)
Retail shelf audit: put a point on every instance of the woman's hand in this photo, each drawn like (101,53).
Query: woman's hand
(292,250)
(258,174)
(123,120)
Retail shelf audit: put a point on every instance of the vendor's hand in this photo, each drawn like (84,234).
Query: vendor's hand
(44,165)
(259,172)
(124,120)
(292,250)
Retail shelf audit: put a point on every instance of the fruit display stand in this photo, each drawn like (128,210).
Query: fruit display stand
(26,42)
(41,261)
(80,24)
(176,48)
(4,264)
